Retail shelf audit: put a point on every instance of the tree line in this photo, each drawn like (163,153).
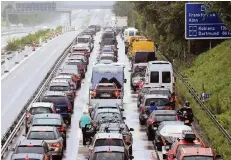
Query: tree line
(164,22)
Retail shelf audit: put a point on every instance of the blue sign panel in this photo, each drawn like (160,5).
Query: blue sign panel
(200,25)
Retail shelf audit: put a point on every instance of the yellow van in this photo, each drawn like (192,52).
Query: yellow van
(141,45)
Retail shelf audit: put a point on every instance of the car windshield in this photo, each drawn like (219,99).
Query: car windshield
(108,156)
(197,158)
(56,100)
(109,142)
(29,149)
(47,121)
(40,110)
(158,101)
(41,135)
(108,116)
(165,117)
(83,40)
(144,57)
(59,88)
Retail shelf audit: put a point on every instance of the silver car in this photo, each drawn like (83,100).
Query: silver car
(50,135)
(28,156)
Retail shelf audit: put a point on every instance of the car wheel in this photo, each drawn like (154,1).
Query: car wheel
(130,150)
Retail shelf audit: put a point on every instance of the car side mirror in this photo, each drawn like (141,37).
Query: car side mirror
(125,80)
(131,129)
(122,109)
(131,157)
(124,118)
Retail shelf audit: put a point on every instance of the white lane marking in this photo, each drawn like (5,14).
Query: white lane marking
(30,54)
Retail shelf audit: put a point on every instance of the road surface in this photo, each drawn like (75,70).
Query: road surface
(21,83)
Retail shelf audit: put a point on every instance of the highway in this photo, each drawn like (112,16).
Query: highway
(142,148)
(20,84)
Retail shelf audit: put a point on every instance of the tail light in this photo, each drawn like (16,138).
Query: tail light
(142,109)
(79,76)
(61,129)
(116,93)
(167,108)
(81,68)
(94,94)
(127,139)
(70,94)
(56,145)
(150,122)
(27,115)
(69,108)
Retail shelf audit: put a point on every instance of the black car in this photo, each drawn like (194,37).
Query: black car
(119,128)
(62,104)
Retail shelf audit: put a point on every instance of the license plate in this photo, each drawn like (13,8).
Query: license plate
(187,121)
(105,95)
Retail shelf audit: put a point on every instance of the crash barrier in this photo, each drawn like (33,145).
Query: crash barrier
(20,119)
(199,100)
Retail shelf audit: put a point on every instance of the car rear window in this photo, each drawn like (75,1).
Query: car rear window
(131,33)
(30,149)
(47,121)
(55,100)
(83,40)
(59,88)
(154,77)
(105,88)
(109,142)
(108,35)
(40,110)
(165,117)
(108,156)
(107,58)
(166,77)
(158,101)
(47,135)
(107,49)
(77,63)
(144,57)
(198,157)
(163,92)
(108,116)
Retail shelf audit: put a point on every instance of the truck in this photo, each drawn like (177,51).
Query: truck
(107,73)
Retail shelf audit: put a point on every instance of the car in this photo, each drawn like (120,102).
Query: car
(107,115)
(60,86)
(39,108)
(81,54)
(75,48)
(110,152)
(166,135)
(107,57)
(107,139)
(119,128)
(73,71)
(86,39)
(162,102)
(51,120)
(103,108)
(104,61)
(31,147)
(92,109)
(62,104)
(156,117)
(106,91)
(28,156)
(188,141)
(142,92)
(79,65)
(50,135)
(82,47)
(67,78)
(79,57)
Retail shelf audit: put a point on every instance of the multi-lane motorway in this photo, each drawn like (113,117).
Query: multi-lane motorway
(36,68)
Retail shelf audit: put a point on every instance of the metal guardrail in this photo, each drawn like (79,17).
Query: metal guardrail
(200,102)
(20,119)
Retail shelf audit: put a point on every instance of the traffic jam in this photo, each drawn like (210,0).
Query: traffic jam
(125,85)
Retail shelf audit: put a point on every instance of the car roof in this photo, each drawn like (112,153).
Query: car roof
(31,142)
(27,155)
(42,104)
(42,128)
(54,93)
(109,148)
(58,116)
(59,84)
(156,112)
(155,96)
(197,151)
(109,135)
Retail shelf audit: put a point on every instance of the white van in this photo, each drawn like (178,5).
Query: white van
(130,32)
(160,74)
